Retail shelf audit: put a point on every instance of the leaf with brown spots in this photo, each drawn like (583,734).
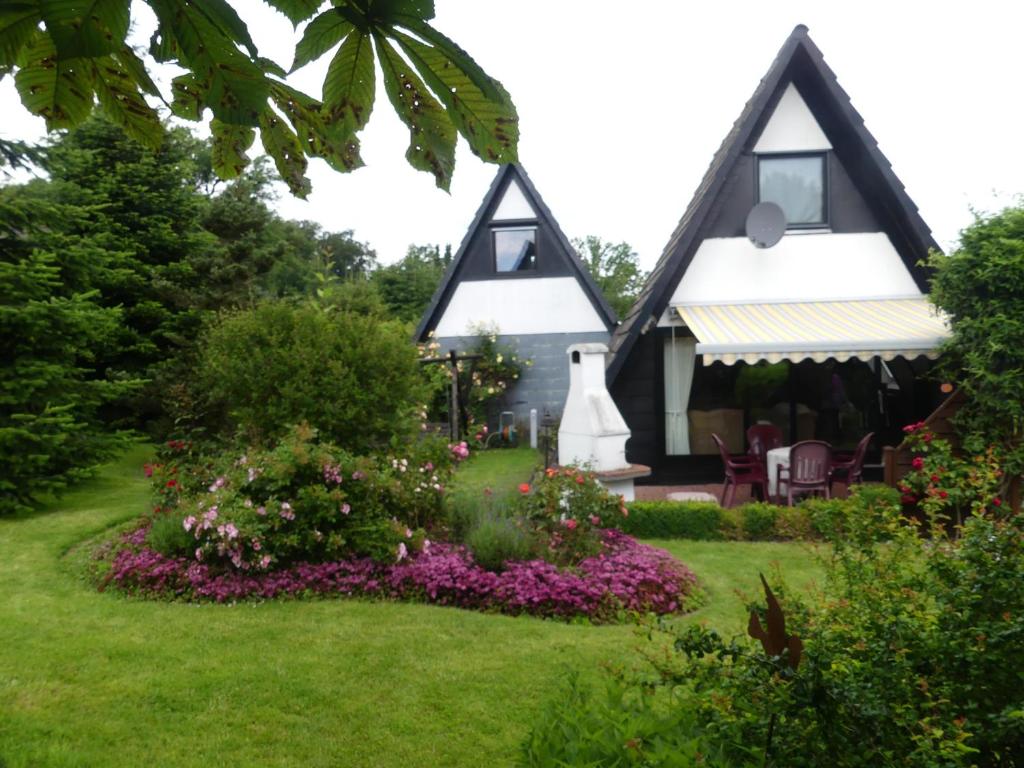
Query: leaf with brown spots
(319,138)
(350,86)
(61,92)
(432,134)
(489,124)
(283,145)
(86,28)
(230,146)
(119,94)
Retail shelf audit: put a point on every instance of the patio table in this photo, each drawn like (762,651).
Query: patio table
(775,458)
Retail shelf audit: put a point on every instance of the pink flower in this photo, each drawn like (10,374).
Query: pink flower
(219,483)
(917,463)
(403,552)
(264,561)
(943,494)
(408,533)
(261,511)
(595,520)
(997,502)
(345,508)
(199,553)
(286,511)
(426,546)
(147,469)
(256,545)
(570,524)
(189,522)
(524,488)
(231,531)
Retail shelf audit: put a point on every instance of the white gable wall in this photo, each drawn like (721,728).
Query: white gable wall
(520,306)
(792,127)
(802,267)
(513,205)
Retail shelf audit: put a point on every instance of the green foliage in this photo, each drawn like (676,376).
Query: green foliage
(615,724)
(487,379)
(947,487)
(568,507)
(673,520)
(980,286)
(304,500)
(52,329)
(66,55)
(168,536)
(909,653)
(615,268)
(495,538)
(757,521)
(408,285)
(354,378)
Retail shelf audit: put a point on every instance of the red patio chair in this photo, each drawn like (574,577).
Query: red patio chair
(809,471)
(740,470)
(761,438)
(848,468)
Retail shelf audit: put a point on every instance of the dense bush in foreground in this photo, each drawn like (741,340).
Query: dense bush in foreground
(625,576)
(910,657)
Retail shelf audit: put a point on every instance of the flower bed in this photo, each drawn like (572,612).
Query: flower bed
(625,576)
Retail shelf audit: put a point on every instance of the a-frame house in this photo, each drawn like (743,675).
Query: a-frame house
(826,333)
(517,274)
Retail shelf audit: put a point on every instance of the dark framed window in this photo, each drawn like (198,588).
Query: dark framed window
(798,184)
(515,249)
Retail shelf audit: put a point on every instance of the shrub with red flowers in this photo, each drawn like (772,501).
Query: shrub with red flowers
(624,576)
(947,487)
(570,508)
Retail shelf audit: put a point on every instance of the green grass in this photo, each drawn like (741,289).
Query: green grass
(96,679)
(500,470)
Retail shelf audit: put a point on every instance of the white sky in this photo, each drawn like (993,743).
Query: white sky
(621,110)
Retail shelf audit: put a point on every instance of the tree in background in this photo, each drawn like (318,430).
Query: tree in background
(52,330)
(615,268)
(66,55)
(980,286)
(407,286)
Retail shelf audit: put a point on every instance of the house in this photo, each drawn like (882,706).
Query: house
(516,275)
(827,333)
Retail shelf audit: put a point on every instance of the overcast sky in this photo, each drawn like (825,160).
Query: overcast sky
(621,110)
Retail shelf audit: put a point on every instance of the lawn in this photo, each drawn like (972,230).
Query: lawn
(95,679)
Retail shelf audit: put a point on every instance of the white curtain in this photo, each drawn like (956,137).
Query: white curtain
(680,359)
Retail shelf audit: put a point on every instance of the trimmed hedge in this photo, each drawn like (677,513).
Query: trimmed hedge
(756,521)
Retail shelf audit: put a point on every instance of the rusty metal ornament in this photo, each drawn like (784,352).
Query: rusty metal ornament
(775,640)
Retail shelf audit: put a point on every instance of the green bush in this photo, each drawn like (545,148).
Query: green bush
(910,657)
(167,534)
(759,521)
(304,500)
(495,539)
(673,520)
(353,378)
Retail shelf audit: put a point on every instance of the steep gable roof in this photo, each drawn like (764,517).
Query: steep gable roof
(799,61)
(513,173)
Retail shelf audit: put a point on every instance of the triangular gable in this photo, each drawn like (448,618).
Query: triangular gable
(792,127)
(799,63)
(510,196)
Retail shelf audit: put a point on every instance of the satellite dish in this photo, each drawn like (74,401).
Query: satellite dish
(766,224)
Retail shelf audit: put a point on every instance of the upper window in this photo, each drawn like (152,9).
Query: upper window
(515,249)
(796,183)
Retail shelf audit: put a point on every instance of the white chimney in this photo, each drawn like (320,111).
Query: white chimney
(593,432)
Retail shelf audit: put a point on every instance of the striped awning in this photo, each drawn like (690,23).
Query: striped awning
(815,330)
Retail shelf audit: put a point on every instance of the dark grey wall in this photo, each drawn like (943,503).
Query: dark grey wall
(478,261)
(848,210)
(542,385)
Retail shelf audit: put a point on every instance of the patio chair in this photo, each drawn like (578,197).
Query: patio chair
(761,438)
(809,470)
(848,468)
(740,470)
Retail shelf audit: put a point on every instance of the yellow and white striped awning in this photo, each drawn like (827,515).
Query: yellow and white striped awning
(815,330)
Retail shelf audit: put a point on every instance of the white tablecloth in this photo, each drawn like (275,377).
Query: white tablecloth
(776,457)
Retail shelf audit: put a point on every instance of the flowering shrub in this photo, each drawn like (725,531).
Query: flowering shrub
(571,508)
(624,576)
(308,501)
(945,486)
